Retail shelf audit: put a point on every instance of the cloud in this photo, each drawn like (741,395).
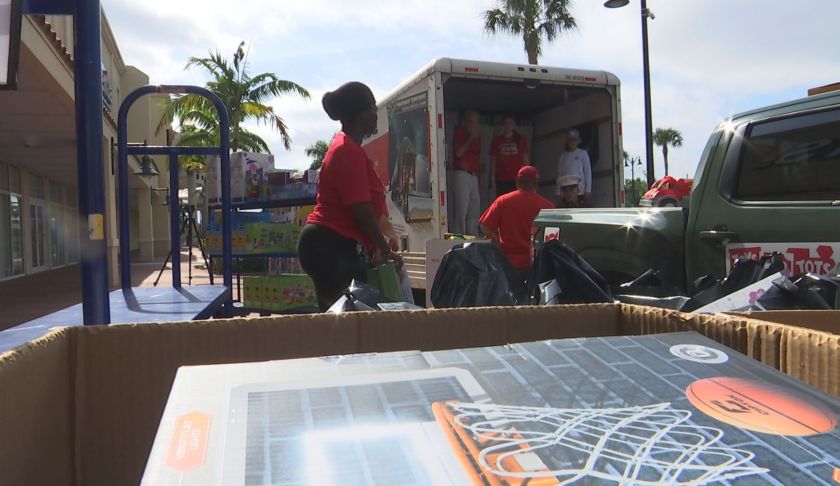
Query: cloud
(709,59)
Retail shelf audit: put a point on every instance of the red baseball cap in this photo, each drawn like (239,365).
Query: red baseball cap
(528,172)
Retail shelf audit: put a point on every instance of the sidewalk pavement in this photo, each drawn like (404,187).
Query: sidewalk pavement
(26,298)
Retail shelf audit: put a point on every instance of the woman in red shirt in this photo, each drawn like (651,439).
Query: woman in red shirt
(342,235)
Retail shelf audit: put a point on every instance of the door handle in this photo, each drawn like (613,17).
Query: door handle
(719,235)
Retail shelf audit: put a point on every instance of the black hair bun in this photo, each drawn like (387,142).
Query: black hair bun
(348,101)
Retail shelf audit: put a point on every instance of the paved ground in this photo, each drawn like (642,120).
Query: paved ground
(26,298)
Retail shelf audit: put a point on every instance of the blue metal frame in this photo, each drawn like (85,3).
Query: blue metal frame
(223,150)
(88,86)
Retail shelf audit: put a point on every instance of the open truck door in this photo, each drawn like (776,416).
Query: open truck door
(405,151)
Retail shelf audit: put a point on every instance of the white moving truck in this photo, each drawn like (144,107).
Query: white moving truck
(417,119)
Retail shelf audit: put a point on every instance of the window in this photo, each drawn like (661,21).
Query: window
(36,187)
(795,159)
(14,179)
(11,244)
(4,177)
(56,193)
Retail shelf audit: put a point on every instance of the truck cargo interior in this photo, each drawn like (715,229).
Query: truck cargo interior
(545,113)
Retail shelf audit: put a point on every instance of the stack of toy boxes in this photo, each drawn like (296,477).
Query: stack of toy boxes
(271,238)
(248,177)
(279,292)
(241,222)
(298,186)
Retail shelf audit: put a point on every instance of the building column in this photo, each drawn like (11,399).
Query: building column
(112,237)
(145,230)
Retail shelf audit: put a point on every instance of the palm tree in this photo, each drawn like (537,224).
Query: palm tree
(245,97)
(317,151)
(667,136)
(531,19)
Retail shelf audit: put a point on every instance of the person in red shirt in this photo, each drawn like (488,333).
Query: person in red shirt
(509,220)
(466,167)
(508,152)
(342,235)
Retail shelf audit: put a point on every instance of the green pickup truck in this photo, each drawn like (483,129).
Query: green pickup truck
(768,180)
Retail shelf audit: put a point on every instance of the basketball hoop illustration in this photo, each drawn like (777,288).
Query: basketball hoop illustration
(502,445)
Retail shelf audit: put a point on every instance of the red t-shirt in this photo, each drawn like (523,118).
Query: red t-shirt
(512,217)
(471,160)
(347,178)
(509,153)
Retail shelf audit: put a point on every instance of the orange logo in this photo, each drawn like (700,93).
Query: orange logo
(189,441)
(759,407)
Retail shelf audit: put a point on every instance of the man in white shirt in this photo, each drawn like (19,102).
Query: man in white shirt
(575,162)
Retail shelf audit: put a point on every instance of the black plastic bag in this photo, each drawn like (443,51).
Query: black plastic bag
(744,272)
(673,302)
(477,274)
(650,284)
(648,289)
(358,297)
(579,283)
(809,292)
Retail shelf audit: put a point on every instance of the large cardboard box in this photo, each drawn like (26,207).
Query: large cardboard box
(81,405)
(818,320)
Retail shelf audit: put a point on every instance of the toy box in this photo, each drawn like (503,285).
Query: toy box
(248,177)
(279,292)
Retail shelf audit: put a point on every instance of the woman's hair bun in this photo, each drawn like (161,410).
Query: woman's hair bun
(348,101)
(329,104)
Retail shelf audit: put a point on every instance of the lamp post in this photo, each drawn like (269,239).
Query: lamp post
(633,162)
(646,72)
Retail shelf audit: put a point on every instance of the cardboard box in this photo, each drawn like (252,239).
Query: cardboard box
(82,404)
(655,408)
(818,320)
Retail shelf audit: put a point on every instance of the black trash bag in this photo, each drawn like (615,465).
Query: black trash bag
(809,292)
(477,274)
(674,302)
(579,282)
(649,284)
(358,297)
(744,272)
(702,283)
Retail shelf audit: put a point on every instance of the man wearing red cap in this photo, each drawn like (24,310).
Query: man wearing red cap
(509,220)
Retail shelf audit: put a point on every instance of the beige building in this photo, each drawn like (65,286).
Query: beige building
(38,180)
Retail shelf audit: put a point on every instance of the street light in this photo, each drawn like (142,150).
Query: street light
(147,168)
(646,71)
(633,162)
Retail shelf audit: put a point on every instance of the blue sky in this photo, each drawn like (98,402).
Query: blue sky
(709,58)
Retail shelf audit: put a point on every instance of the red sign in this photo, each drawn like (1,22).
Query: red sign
(800,258)
(189,441)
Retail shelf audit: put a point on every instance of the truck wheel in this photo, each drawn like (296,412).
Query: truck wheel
(668,203)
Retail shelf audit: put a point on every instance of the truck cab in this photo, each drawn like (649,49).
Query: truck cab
(767,181)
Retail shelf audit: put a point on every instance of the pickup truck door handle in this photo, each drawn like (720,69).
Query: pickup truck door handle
(725,236)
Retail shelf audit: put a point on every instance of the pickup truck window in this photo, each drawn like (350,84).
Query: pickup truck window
(793,159)
(708,152)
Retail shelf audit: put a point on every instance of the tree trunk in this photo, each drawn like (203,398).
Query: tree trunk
(532,57)
(665,155)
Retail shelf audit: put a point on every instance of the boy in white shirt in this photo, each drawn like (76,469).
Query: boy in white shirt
(575,162)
